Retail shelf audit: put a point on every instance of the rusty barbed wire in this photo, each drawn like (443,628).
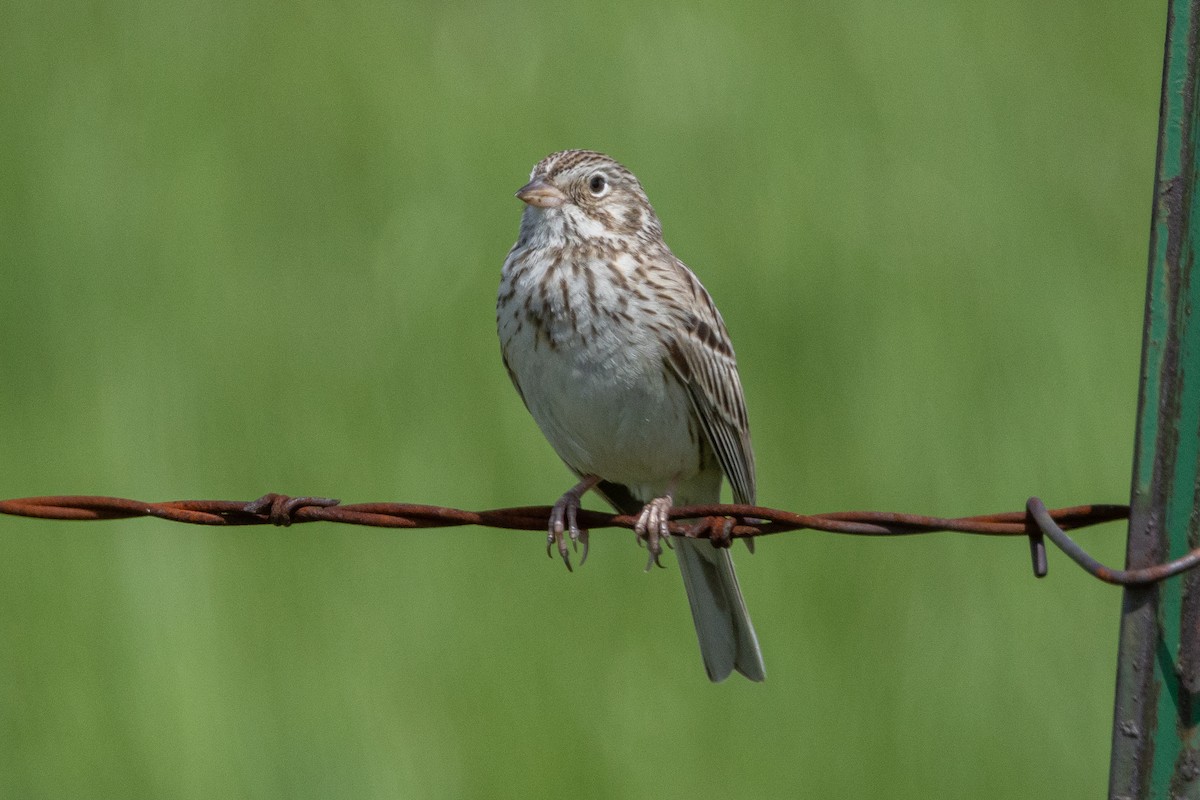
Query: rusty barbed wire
(717,522)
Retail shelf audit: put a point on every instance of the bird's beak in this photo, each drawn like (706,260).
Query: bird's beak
(541,194)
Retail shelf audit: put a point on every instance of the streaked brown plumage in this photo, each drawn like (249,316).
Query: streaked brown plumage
(625,364)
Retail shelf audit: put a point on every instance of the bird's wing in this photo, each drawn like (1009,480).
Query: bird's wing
(700,353)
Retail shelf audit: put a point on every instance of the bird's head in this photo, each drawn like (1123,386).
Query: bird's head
(582,193)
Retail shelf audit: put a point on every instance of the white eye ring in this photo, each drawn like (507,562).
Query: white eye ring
(598,184)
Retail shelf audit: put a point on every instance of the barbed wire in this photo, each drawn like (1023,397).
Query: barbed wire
(720,523)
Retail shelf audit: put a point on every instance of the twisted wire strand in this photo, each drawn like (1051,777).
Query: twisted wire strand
(719,522)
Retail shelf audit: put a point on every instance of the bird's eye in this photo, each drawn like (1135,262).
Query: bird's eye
(598,184)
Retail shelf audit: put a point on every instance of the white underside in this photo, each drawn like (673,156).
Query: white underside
(611,418)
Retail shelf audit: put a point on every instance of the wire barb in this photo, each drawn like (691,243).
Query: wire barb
(279,508)
(719,523)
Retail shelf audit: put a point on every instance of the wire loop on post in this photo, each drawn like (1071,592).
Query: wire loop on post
(1120,577)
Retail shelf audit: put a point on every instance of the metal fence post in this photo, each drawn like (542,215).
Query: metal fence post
(1155,750)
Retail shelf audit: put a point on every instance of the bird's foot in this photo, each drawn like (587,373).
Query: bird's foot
(653,528)
(564,523)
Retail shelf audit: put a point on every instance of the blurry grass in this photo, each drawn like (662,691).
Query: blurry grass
(253,249)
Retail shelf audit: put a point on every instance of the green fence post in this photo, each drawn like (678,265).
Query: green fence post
(1155,752)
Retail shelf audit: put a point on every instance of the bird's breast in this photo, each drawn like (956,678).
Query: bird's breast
(590,363)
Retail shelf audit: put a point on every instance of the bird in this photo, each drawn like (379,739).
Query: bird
(622,359)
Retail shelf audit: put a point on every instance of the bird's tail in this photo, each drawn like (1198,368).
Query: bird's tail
(727,638)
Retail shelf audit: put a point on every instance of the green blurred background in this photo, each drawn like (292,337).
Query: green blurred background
(256,248)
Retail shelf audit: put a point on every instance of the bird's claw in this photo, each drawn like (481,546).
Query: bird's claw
(653,527)
(564,523)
